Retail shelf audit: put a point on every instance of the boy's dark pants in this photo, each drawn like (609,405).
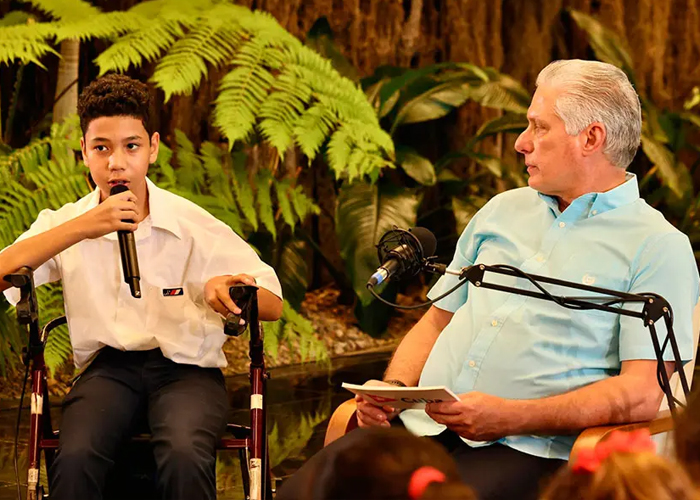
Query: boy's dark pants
(185,407)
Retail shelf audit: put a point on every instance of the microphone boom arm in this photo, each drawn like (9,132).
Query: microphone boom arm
(654,308)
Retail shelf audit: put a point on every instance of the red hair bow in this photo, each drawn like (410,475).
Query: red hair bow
(589,459)
(421,478)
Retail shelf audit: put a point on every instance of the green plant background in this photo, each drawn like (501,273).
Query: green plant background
(287,120)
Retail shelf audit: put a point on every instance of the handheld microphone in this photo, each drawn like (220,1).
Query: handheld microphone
(127,250)
(402,253)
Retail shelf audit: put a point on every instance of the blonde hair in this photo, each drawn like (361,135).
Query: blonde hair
(624,476)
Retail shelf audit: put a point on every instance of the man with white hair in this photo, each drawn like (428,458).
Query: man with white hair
(531,374)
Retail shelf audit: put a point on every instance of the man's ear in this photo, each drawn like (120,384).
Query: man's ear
(155,144)
(593,139)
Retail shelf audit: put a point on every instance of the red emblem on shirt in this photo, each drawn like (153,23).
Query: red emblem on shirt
(172,292)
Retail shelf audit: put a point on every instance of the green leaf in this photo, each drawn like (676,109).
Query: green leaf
(292,266)
(507,123)
(693,100)
(464,210)
(665,161)
(607,45)
(320,38)
(416,166)
(363,214)
(243,191)
(267,217)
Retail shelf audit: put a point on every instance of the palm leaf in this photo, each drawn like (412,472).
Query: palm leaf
(607,45)
(364,213)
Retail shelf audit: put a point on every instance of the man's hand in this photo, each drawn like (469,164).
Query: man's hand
(216,292)
(476,416)
(369,415)
(109,215)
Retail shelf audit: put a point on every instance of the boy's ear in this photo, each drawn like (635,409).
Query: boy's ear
(155,143)
(83,151)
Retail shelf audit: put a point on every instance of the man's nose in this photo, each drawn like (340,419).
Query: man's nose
(523,144)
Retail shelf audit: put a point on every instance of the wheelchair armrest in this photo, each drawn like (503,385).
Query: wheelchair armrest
(343,420)
(593,435)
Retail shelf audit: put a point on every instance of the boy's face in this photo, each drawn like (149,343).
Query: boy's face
(117,150)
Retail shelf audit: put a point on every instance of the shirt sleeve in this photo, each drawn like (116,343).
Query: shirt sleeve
(50,270)
(666,267)
(464,256)
(232,255)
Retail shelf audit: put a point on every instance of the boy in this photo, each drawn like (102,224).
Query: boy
(160,355)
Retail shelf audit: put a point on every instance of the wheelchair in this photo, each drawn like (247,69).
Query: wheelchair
(251,442)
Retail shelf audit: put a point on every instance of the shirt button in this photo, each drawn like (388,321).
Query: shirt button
(472,364)
(494,323)
(594,212)
(562,224)
(540,258)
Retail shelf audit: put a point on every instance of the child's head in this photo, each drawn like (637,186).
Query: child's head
(390,464)
(625,467)
(687,438)
(118,142)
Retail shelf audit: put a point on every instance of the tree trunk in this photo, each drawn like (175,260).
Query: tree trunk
(66,97)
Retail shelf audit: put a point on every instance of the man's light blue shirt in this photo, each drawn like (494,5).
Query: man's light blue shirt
(519,347)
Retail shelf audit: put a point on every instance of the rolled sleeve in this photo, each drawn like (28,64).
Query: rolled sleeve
(50,270)
(666,267)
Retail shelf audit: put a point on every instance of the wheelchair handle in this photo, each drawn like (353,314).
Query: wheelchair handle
(28,306)
(246,298)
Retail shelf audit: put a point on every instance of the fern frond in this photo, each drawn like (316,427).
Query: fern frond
(105,25)
(26,43)
(214,40)
(282,189)
(19,206)
(267,217)
(242,91)
(303,205)
(15,17)
(167,21)
(13,338)
(58,346)
(218,180)
(65,10)
(64,137)
(313,128)
(190,174)
(244,193)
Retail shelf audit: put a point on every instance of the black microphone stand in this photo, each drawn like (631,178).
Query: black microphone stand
(655,307)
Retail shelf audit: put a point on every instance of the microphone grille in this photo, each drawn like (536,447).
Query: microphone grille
(427,240)
(118,188)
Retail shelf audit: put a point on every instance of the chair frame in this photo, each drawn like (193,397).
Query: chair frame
(251,442)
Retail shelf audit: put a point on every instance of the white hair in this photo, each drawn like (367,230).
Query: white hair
(594,91)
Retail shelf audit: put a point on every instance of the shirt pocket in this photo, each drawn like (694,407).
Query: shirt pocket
(174,311)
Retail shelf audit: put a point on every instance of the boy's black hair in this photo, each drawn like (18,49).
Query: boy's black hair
(115,95)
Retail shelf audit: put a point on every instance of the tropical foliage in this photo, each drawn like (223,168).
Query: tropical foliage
(46,174)
(274,87)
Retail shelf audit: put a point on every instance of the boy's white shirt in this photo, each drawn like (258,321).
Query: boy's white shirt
(179,245)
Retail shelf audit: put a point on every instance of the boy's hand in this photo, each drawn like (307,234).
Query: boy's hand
(109,216)
(216,292)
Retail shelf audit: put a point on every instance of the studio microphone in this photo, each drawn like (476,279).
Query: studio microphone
(402,253)
(127,249)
